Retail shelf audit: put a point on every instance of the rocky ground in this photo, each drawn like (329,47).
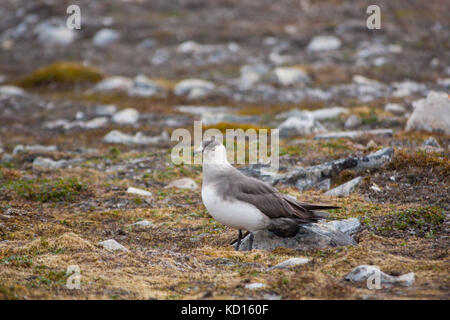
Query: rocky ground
(86,118)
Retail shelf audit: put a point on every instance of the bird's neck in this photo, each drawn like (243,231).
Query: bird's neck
(213,170)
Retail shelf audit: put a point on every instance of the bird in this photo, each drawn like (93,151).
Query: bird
(246,203)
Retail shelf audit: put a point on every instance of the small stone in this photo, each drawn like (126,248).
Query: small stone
(143,223)
(12,91)
(395,108)
(375,187)
(112,245)
(291,76)
(184,183)
(33,148)
(352,122)
(105,109)
(328,113)
(105,37)
(344,189)
(353,134)
(255,286)
(54,32)
(144,87)
(115,83)
(139,192)
(292,262)
(324,43)
(126,116)
(431,142)
(185,87)
(371,145)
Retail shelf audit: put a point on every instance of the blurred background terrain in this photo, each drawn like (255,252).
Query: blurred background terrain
(87,114)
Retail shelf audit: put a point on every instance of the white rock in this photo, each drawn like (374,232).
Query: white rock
(112,245)
(290,76)
(300,126)
(184,183)
(431,114)
(363,272)
(431,142)
(353,134)
(139,192)
(105,36)
(407,88)
(115,136)
(143,223)
(198,110)
(185,87)
(324,43)
(54,32)
(395,108)
(38,148)
(292,262)
(46,163)
(12,91)
(255,286)
(279,59)
(115,83)
(328,113)
(344,189)
(126,116)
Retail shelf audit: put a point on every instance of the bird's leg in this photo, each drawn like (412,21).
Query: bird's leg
(250,242)
(238,242)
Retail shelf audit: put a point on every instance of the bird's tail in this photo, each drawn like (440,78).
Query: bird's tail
(312,208)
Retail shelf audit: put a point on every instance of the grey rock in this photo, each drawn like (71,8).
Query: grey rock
(300,125)
(144,87)
(407,88)
(251,74)
(324,43)
(105,109)
(349,226)
(431,114)
(292,262)
(33,148)
(112,245)
(310,236)
(353,134)
(105,37)
(46,163)
(344,189)
(116,136)
(328,113)
(199,110)
(363,272)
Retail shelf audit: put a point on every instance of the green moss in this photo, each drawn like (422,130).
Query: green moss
(61,73)
(44,190)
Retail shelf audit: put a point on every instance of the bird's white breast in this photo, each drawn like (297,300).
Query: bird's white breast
(233,213)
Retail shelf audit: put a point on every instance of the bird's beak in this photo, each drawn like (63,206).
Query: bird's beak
(198,150)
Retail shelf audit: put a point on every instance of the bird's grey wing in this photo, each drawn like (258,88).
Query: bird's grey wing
(267,199)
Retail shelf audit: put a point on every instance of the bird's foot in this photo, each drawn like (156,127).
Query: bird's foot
(250,242)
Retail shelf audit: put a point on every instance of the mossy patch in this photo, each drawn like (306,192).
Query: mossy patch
(61,74)
(44,190)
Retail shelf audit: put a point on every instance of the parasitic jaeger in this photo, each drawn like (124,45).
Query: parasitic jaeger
(246,203)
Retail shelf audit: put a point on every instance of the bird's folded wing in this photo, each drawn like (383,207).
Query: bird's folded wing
(268,200)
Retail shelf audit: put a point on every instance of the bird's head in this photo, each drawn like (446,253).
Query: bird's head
(213,151)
